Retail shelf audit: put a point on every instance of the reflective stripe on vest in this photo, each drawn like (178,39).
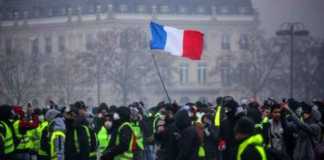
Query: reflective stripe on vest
(217,116)
(40,129)
(253,140)
(138,134)
(76,141)
(156,119)
(104,139)
(55,135)
(128,155)
(9,146)
(260,125)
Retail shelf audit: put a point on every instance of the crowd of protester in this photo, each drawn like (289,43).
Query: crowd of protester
(227,130)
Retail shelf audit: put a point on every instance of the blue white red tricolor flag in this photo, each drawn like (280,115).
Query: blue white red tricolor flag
(178,42)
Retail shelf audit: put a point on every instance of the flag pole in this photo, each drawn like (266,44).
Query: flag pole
(160,77)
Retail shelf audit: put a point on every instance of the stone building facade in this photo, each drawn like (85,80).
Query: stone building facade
(50,27)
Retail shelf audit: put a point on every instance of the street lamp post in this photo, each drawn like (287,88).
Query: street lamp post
(292,29)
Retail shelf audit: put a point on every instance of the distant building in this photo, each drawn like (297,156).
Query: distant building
(52,26)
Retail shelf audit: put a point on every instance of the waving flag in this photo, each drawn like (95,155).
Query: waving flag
(183,43)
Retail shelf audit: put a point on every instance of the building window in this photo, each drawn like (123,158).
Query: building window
(164,9)
(141,9)
(48,45)
(225,75)
(226,42)
(50,12)
(90,41)
(201,10)
(8,46)
(182,9)
(35,46)
(243,10)
(123,8)
(61,43)
(202,70)
(224,10)
(184,73)
(244,41)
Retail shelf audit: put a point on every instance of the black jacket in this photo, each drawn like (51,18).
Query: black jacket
(125,136)
(210,141)
(188,143)
(85,147)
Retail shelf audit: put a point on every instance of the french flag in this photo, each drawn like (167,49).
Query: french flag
(183,43)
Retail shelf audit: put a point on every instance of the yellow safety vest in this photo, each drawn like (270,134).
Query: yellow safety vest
(138,134)
(104,139)
(93,153)
(55,135)
(9,145)
(39,131)
(217,118)
(25,140)
(128,155)
(255,140)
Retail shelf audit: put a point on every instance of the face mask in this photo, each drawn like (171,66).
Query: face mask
(41,118)
(108,124)
(116,116)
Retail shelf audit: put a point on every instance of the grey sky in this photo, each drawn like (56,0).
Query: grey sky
(275,12)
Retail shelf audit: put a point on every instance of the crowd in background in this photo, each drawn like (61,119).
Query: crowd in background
(227,130)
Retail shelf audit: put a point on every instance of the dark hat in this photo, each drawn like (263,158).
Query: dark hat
(5,112)
(124,113)
(306,107)
(244,125)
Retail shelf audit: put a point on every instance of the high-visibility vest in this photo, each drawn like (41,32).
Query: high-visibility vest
(128,155)
(55,135)
(39,131)
(256,141)
(104,139)
(217,118)
(93,152)
(25,140)
(138,135)
(155,121)
(9,145)
(260,125)
(201,151)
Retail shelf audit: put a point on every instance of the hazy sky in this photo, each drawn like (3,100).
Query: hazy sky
(275,12)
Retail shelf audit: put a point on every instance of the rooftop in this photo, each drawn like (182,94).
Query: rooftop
(21,9)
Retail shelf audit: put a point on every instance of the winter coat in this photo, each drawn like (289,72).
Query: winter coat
(211,134)
(59,125)
(188,143)
(308,135)
(227,134)
(83,141)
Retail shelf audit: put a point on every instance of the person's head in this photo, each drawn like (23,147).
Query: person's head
(51,114)
(307,110)
(276,112)
(6,112)
(230,106)
(122,114)
(206,119)
(243,128)
(81,109)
